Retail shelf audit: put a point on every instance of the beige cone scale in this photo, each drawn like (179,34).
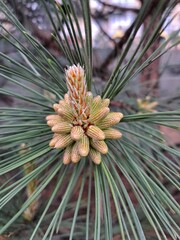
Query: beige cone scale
(81,122)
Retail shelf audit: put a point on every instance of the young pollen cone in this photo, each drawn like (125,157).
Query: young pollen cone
(96,102)
(63,141)
(95,133)
(105,102)
(54,140)
(98,115)
(62,127)
(53,117)
(112,133)
(67,154)
(75,156)
(65,113)
(100,146)
(51,123)
(77,133)
(83,146)
(111,119)
(95,156)
(56,107)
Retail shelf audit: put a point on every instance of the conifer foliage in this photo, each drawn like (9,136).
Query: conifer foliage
(104,169)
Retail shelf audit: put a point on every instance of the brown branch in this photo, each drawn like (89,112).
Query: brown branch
(102,30)
(120,8)
(114,53)
(44,36)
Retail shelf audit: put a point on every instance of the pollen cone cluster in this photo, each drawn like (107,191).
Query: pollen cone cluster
(82,122)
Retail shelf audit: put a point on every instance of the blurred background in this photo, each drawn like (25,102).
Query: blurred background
(156,88)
